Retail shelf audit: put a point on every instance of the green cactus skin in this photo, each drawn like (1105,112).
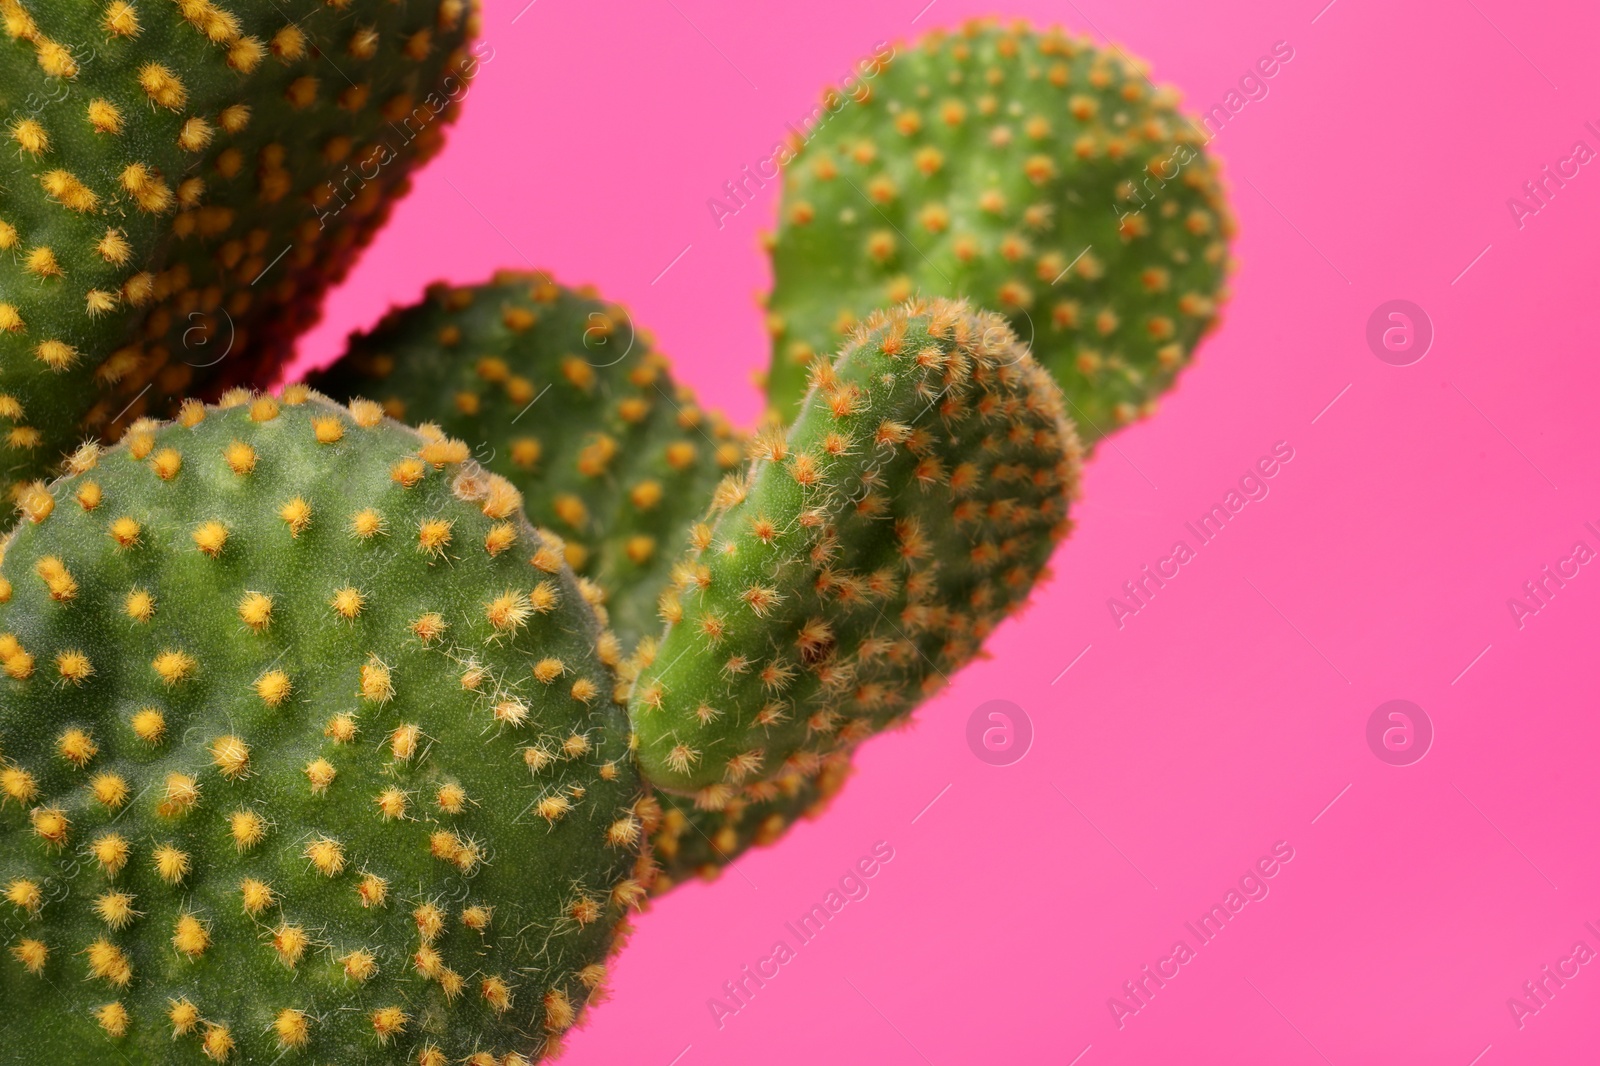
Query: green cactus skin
(691,842)
(182,180)
(615,458)
(1021,170)
(862,559)
(371,726)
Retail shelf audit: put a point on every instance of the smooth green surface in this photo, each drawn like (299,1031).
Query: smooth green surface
(562,394)
(1030,172)
(236,238)
(536,863)
(862,559)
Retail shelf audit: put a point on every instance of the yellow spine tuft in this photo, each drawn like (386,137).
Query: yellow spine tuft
(231,757)
(110,790)
(296,514)
(32,954)
(149,725)
(389,1022)
(255,611)
(57,355)
(256,896)
(104,116)
(273,687)
(31,136)
(162,86)
(293,1028)
(327,855)
(183,1015)
(111,851)
(121,20)
(217,1043)
(290,943)
(195,134)
(139,605)
(210,538)
(114,1019)
(247,829)
(174,666)
(320,772)
(190,936)
(77,747)
(240,457)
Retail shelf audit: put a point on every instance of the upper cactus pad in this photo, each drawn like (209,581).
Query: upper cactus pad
(182,181)
(1029,172)
(861,559)
(307,752)
(560,393)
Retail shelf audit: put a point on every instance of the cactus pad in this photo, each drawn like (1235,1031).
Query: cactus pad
(863,557)
(557,391)
(182,181)
(307,753)
(1029,172)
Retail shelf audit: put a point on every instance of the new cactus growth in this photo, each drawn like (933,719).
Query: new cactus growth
(560,393)
(1030,172)
(862,557)
(182,180)
(307,753)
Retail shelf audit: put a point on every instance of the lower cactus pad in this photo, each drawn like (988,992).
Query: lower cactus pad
(307,753)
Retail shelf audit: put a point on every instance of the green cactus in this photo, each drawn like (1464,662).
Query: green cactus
(183,180)
(308,752)
(863,557)
(615,458)
(1030,172)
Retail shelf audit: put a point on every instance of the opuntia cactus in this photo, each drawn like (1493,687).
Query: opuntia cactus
(862,557)
(560,393)
(1030,172)
(308,748)
(182,181)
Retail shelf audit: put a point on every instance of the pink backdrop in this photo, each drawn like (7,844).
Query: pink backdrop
(1230,712)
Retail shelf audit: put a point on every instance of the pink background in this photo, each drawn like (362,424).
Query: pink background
(1224,717)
